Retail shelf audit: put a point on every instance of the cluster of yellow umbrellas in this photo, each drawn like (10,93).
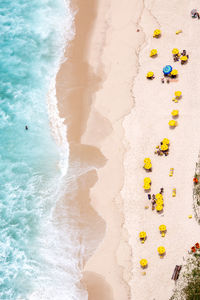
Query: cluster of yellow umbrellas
(147,183)
(176,52)
(161,250)
(175,112)
(157,33)
(162,229)
(153,52)
(159,202)
(164,145)
(147,164)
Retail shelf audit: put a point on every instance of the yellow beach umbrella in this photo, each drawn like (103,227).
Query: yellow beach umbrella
(162,228)
(164,147)
(148,166)
(157,33)
(161,250)
(159,196)
(147,180)
(172,123)
(175,112)
(184,58)
(153,52)
(178,31)
(159,207)
(160,202)
(178,94)
(146,186)
(146,160)
(175,51)
(165,141)
(143,262)
(142,235)
(174,72)
(150,74)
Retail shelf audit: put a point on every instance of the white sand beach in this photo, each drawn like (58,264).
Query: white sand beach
(145,128)
(124,115)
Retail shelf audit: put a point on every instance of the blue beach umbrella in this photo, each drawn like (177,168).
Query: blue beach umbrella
(167,69)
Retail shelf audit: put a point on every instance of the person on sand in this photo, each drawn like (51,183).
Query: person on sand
(149,196)
(161,190)
(183,53)
(153,202)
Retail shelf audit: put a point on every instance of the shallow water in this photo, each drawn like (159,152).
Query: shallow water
(31,46)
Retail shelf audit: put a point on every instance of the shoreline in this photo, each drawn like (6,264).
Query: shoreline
(95,132)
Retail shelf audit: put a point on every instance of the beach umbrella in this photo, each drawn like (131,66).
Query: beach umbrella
(143,262)
(174,72)
(157,33)
(150,74)
(153,52)
(178,94)
(172,123)
(167,69)
(162,228)
(184,58)
(165,141)
(175,51)
(175,112)
(161,250)
(178,31)
(159,196)
(142,235)
(164,147)
(148,166)
(193,13)
(146,160)
(146,186)
(159,207)
(147,180)
(159,202)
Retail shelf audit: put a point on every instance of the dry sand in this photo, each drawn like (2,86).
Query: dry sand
(96,89)
(145,127)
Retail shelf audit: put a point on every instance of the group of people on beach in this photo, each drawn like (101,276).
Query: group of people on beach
(153,198)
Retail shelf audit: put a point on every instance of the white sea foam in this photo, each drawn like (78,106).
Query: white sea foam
(59,130)
(60,241)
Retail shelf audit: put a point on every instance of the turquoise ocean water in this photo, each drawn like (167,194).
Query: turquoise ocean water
(34,263)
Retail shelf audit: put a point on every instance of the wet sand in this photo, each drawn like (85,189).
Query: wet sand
(94,90)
